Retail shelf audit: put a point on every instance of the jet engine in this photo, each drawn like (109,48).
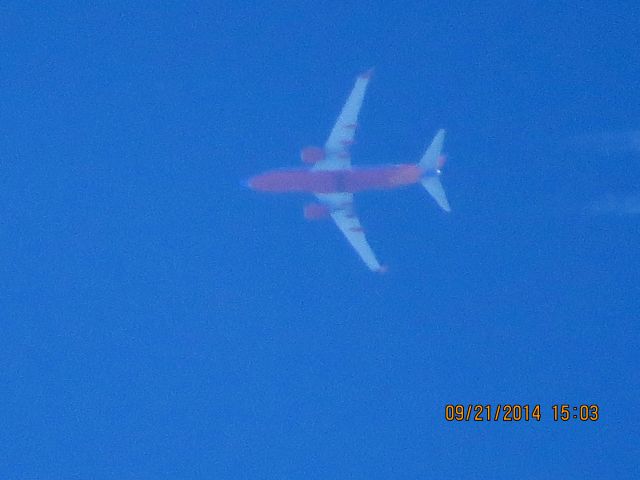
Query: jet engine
(312,154)
(316,211)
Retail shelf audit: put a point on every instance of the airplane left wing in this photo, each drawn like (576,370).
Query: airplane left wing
(341,207)
(341,137)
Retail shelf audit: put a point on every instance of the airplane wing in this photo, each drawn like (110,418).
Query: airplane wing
(341,207)
(341,137)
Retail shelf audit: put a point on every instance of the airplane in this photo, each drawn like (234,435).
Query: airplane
(333,180)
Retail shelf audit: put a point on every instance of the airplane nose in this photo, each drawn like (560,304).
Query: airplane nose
(246,183)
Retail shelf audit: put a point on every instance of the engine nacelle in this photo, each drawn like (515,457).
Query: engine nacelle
(311,154)
(316,211)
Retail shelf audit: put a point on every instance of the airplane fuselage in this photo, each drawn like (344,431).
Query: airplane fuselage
(336,181)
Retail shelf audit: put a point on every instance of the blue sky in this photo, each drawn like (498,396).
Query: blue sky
(161,321)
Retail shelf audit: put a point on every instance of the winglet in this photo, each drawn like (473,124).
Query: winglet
(382,269)
(368,74)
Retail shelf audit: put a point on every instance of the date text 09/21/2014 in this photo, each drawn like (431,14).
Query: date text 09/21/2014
(519,412)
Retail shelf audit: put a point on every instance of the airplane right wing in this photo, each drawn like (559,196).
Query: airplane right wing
(341,207)
(341,137)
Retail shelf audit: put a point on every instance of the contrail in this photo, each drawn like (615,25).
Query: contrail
(614,204)
(609,142)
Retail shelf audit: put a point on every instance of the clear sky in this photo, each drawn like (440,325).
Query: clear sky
(158,320)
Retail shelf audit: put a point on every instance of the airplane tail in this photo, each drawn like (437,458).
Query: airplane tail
(430,163)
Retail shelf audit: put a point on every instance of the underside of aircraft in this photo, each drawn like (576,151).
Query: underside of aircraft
(333,180)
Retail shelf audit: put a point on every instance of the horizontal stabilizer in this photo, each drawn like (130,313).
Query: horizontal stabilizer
(434,187)
(429,161)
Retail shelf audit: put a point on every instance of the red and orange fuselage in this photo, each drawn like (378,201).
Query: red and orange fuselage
(336,181)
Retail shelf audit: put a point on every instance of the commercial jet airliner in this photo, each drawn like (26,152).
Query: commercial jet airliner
(333,180)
